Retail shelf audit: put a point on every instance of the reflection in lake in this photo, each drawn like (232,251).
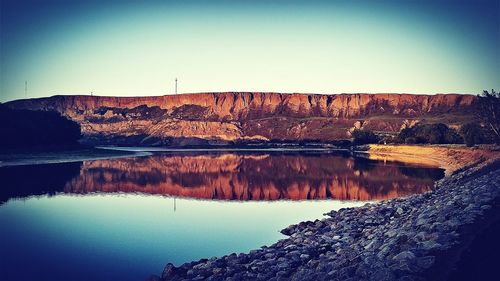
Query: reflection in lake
(232,176)
(98,222)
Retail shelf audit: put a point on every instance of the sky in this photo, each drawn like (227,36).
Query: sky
(137,48)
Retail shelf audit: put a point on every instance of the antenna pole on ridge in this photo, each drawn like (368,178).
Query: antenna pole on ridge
(26,89)
(176,86)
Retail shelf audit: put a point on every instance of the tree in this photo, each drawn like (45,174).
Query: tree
(364,137)
(429,133)
(27,128)
(489,111)
(472,134)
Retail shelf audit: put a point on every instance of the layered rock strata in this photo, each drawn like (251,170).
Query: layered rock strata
(219,118)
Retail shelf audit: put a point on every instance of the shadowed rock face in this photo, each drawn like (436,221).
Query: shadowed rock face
(243,116)
(253,177)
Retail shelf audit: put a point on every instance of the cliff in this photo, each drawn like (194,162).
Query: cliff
(224,117)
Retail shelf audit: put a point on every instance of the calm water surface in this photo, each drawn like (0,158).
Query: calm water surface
(126,218)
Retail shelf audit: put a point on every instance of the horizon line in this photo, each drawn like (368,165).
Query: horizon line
(237,92)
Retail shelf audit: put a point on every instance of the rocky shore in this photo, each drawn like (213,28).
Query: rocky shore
(413,238)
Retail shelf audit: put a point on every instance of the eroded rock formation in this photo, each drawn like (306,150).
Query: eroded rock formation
(226,117)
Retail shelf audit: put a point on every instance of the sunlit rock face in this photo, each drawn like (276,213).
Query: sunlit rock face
(253,177)
(243,116)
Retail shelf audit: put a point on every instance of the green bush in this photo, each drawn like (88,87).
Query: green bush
(429,133)
(364,137)
(472,134)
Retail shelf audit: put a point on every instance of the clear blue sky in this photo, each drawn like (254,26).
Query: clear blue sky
(139,47)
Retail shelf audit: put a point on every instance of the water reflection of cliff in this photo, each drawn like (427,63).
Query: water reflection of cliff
(253,177)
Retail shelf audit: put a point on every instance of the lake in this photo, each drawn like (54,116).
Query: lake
(124,219)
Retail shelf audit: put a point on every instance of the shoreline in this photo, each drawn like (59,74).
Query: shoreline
(66,156)
(406,238)
(397,153)
(451,158)
(220,149)
(115,152)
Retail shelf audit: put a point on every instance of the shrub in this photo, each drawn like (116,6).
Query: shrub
(364,137)
(429,133)
(472,134)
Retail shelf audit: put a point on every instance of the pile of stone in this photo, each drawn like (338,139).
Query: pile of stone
(399,239)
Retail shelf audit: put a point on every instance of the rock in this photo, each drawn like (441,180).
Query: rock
(430,245)
(391,233)
(409,278)
(282,274)
(363,271)
(168,271)
(366,243)
(382,274)
(269,255)
(153,278)
(304,257)
(404,256)
(217,271)
(421,221)
(425,262)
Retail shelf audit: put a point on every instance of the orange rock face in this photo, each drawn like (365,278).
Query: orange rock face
(263,116)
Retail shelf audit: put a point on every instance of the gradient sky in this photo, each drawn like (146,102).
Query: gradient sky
(139,47)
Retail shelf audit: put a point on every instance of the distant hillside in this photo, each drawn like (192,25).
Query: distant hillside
(27,128)
(221,118)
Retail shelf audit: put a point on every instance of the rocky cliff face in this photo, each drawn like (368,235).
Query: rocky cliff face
(225,117)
